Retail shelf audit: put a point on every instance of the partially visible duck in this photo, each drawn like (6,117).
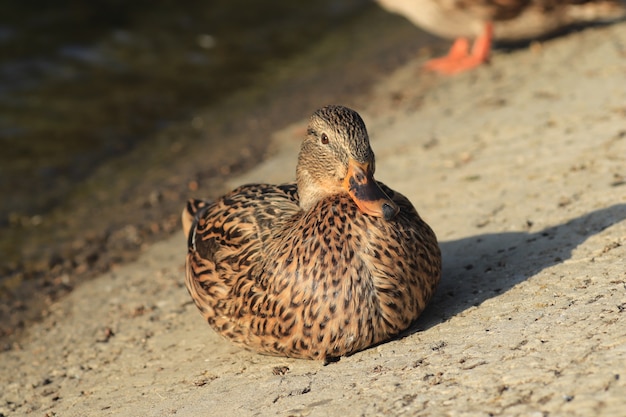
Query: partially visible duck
(501,20)
(320,268)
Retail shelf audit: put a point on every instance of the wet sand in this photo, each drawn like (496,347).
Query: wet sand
(517,166)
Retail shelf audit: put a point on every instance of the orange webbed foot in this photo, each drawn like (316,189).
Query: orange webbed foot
(459,58)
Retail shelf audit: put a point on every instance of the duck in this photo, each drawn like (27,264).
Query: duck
(319,268)
(507,21)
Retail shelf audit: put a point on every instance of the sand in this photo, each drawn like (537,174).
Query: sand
(519,167)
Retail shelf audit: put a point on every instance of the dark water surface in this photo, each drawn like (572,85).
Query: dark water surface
(83,82)
(113,113)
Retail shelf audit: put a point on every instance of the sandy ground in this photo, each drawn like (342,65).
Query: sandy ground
(520,168)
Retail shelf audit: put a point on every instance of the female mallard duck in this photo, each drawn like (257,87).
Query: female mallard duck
(316,269)
(502,20)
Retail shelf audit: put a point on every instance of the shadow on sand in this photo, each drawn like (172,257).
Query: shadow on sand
(483,266)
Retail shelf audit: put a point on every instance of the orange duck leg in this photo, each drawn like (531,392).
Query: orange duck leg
(459,58)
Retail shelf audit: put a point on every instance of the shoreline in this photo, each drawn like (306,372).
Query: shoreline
(135,200)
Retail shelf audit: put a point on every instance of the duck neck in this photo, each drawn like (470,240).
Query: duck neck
(308,192)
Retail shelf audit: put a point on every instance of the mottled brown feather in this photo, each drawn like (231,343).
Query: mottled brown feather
(317,283)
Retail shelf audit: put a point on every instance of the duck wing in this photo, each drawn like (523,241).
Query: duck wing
(226,244)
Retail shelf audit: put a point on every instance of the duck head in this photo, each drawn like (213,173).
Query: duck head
(336,158)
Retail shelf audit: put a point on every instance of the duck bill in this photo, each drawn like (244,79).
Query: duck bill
(366,192)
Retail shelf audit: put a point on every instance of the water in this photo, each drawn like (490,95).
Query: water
(84,82)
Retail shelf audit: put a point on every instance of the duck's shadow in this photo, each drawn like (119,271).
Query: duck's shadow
(481,267)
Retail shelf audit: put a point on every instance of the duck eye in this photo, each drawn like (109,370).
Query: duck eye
(324,138)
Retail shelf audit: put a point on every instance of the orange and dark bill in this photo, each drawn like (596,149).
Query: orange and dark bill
(366,192)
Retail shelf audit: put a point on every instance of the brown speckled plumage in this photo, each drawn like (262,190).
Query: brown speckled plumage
(319,279)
